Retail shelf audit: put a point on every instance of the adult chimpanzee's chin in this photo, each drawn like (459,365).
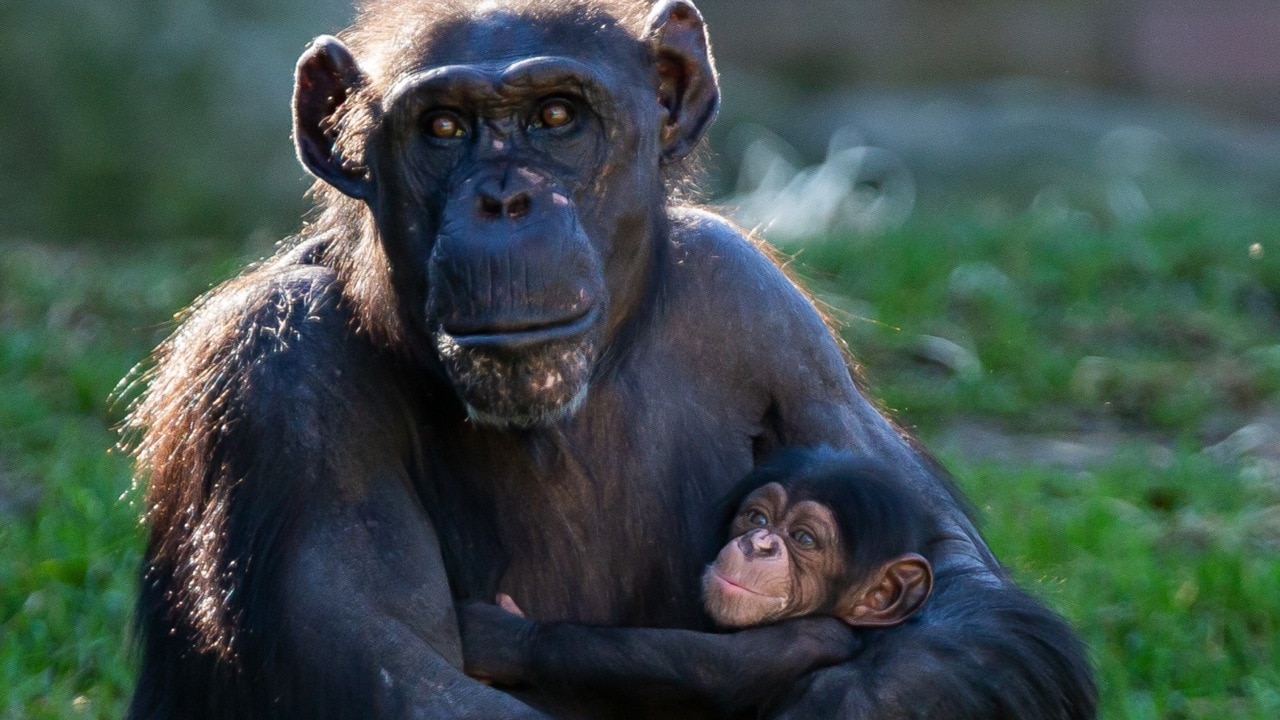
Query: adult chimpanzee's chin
(521,386)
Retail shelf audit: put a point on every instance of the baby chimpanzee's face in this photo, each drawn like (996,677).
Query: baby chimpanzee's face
(782,560)
(786,558)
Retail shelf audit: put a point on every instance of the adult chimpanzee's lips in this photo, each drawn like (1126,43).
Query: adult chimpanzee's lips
(519,332)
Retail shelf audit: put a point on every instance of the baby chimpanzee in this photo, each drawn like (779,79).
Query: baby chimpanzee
(811,533)
(821,533)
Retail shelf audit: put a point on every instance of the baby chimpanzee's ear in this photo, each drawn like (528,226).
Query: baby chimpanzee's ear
(892,594)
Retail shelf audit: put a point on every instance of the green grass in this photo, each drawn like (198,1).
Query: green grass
(1166,326)
(72,323)
(1164,335)
(1178,603)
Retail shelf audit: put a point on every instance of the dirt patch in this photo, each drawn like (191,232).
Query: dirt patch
(1252,438)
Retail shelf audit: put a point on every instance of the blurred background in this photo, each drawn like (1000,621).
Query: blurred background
(1049,227)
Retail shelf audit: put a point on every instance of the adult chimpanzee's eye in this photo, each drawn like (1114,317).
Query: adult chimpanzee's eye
(803,538)
(554,114)
(445,126)
(757,518)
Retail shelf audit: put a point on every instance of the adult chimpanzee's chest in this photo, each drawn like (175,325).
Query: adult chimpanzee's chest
(608,517)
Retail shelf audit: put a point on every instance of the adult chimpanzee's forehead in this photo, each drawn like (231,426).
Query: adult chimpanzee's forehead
(508,34)
(496,83)
(502,36)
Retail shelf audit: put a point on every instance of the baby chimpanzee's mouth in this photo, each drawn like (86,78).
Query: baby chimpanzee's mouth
(735,586)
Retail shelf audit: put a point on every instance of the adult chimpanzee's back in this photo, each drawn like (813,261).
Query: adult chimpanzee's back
(500,360)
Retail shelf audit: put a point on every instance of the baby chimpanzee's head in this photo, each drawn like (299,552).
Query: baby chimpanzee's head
(821,532)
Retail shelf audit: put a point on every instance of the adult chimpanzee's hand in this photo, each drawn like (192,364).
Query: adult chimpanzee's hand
(496,642)
(802,644)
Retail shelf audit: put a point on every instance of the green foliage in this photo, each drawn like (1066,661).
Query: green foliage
(1166,330)
(72,322)
(1170,573)
(1166,557)
(144,119)
(1164,325)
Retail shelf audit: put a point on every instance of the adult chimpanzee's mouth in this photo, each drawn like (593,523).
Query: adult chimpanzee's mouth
(519,332)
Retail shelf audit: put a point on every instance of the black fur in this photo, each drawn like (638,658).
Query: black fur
(316,493)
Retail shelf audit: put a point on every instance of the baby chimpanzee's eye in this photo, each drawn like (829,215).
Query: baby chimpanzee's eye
(803,538)
(757,518)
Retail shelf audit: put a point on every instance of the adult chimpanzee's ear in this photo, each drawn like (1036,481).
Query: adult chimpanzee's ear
(898,590)
(326,76)
(687,77)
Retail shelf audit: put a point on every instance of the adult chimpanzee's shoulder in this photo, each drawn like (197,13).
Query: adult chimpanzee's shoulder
(279,308)
(274,337)
(740,292)
(724,263)
(738,296)
(265,364)
(716,245)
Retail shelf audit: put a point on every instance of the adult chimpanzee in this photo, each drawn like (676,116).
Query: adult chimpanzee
(500,359)
(811,532)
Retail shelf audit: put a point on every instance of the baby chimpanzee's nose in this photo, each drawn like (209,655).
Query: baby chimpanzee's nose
(760,544)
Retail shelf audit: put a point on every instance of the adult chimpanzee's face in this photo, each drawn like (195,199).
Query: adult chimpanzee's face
(511,165)
(510,160)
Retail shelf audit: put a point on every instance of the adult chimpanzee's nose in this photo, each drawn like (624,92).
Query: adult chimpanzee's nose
(760,544)
(496,204)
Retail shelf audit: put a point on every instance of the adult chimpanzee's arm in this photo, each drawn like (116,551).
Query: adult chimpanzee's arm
(975,653)
(787,350)
(723,673)
(292,572)
(783,346)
